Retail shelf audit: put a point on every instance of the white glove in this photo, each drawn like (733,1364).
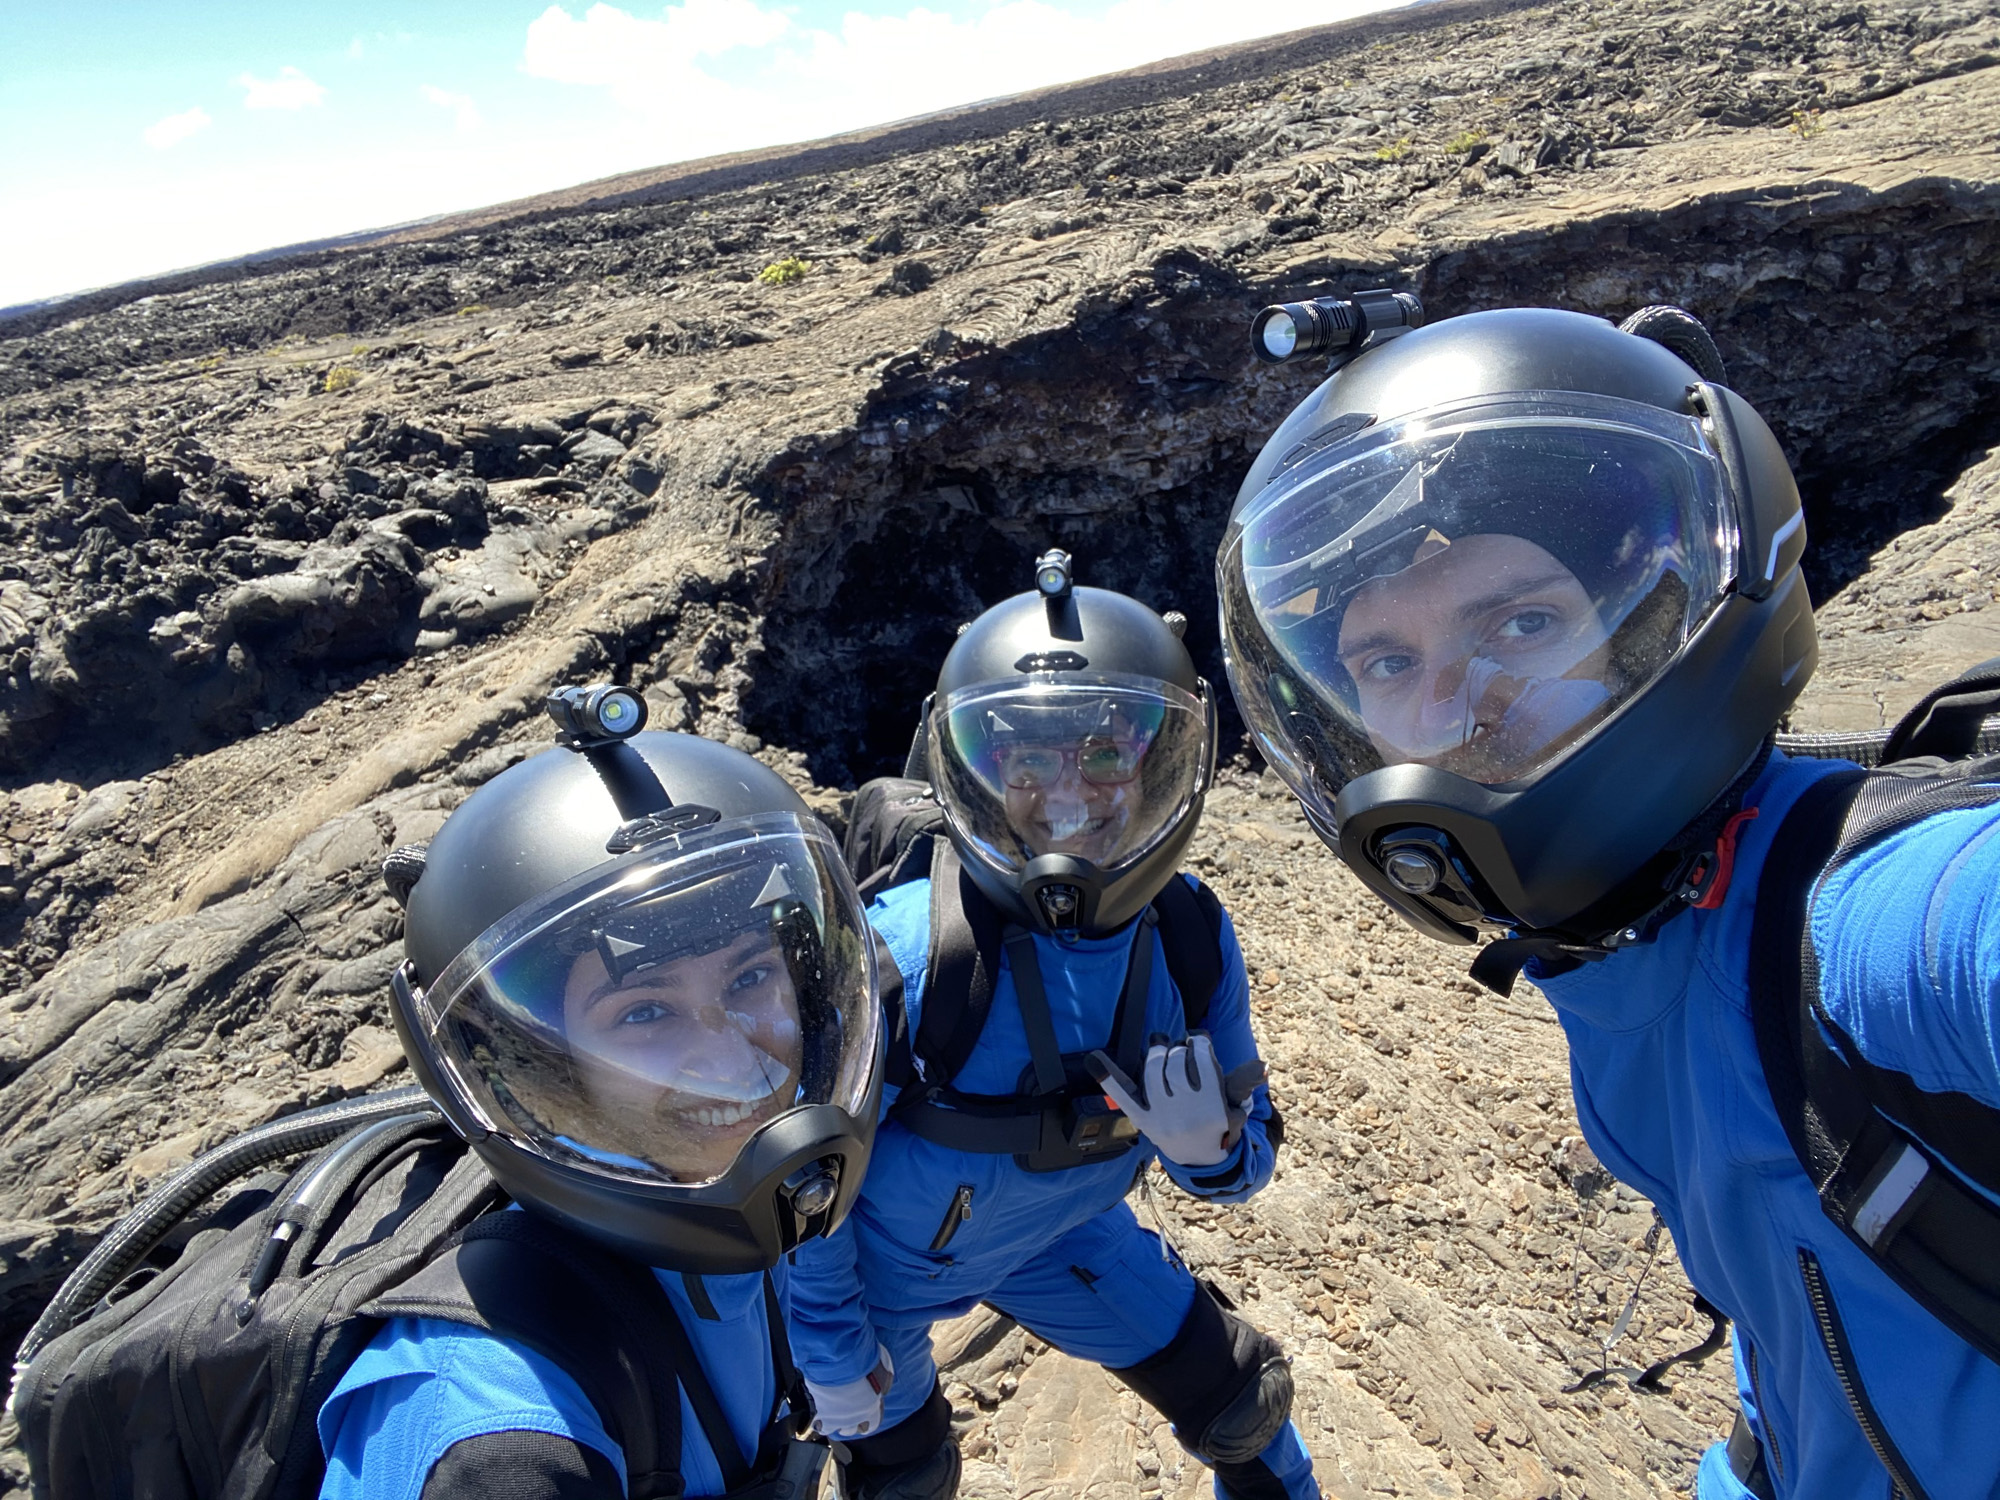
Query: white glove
(1187,1110)
(853,1408)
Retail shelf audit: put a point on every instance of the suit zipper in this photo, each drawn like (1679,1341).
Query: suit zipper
(959,1211)
(1841,1354)
(1770,1438)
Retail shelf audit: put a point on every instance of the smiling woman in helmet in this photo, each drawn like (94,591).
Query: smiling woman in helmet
(640,984)
(1051,952)
(712,1038)
(1071,776)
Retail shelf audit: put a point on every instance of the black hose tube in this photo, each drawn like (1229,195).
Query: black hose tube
(1682,332)
(132,1237)
(1864,747)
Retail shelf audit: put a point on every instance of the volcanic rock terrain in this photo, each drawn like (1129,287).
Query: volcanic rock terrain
(289,557)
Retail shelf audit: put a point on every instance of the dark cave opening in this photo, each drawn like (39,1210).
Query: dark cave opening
(845,682)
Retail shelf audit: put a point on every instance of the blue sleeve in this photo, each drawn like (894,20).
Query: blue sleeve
(1249,1164)
(1908,939)
(833,1339)
(424,1384)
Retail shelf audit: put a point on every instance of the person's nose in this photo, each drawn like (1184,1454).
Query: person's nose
(1448,681)
(1070,778)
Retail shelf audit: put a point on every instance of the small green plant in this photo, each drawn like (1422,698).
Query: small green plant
(1806,124)
(470,308)
(784,272)
(1394,151)
(1464,141)
(340,378)
(210,364)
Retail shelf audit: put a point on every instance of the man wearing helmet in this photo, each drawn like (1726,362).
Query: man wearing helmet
(1054,955)
(640,985)
(1513,604)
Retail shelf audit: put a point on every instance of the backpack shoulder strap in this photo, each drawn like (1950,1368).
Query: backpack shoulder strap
(890,830)
(962,969)
(1885,1191)
(603,1319)
(1191,938)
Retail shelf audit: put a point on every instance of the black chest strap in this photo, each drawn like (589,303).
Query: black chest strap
(1867,1136)
(1031,1124)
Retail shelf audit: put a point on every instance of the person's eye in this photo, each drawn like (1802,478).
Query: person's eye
(646,1013)
(1525,622)
(752,978)
(1382,668)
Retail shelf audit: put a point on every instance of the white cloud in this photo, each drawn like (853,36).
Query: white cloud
(357,49)
(291,89)
(641,61)
(811,82)
(465,114)
(162,135)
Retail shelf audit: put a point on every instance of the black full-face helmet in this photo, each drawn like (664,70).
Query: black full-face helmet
(639,983)
(1513,604)
(1070,743)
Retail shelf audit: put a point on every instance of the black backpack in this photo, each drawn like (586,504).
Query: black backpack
(190,1357)
(1058,1118)
(1875,1144)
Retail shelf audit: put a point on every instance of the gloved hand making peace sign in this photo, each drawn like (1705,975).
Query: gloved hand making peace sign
(1189,1110)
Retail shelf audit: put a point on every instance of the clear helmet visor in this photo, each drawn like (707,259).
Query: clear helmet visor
(1473,589)
(1099,767)
(644,1021)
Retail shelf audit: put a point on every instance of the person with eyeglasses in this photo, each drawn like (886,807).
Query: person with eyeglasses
(1074,1007)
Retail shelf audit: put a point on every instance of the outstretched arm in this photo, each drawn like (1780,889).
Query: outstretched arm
(1908,939)
(833,1339)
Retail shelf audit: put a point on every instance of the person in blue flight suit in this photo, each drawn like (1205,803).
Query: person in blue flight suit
(1069,742)
(640,983)
(1513,604)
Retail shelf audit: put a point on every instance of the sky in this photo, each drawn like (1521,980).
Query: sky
(143,137)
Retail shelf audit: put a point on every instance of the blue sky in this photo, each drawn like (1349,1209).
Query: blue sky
(142,137)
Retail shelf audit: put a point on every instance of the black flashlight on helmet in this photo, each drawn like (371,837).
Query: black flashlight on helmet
(1339,327)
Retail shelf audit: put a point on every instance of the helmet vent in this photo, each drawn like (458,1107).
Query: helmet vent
(1052,661)
(656,826)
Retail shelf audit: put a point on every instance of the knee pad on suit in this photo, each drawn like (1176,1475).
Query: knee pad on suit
(1226,1386)
(914,1460)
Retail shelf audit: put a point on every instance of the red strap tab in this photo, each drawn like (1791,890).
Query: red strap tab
(1725,861)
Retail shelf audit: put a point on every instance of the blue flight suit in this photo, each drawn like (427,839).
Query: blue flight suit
(1060,1252)
(424,1384)
(1671,1096)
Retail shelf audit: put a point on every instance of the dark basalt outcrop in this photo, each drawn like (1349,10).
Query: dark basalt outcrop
(288,558)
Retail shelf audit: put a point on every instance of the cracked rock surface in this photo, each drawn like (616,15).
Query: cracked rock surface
(288,559)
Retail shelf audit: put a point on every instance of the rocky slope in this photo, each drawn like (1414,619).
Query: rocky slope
(287,563)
